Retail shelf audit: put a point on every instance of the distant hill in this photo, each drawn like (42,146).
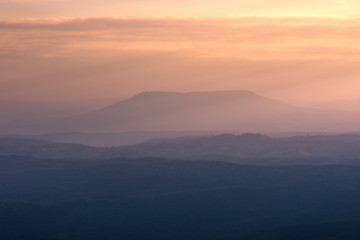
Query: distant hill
(113,139)
(240,111)
(47,149)
(244,149)
(257,148)
(204,111)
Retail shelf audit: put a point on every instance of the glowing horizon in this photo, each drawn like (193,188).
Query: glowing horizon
(290,51)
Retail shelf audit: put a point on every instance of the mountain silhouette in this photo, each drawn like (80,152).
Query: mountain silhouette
(241,111)
(206,111)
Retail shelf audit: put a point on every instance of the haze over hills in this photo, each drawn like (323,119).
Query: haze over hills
(179,120)
(244,149)
(240,111)
(114,139)
(204,111)
(131,138)
(340,104)
(35,111)
(260,149)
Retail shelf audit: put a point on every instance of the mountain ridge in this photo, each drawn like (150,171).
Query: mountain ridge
(236,110)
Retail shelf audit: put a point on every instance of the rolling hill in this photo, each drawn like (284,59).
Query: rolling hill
(245,149)
(159,199)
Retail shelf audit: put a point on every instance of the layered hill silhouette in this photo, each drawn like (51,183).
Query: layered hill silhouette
(157,199)
(245,149)
(257,148)
(242,111)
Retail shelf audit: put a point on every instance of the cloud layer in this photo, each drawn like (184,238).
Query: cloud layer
(288,58)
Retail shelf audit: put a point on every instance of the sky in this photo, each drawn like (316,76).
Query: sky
(294,51)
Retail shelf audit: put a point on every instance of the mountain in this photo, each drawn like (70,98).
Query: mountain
(241,111)
(205,111)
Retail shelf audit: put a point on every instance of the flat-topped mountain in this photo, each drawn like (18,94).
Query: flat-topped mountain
(241,111)
(207,111)
(181,111)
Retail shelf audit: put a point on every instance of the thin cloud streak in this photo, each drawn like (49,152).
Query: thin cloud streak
(308,36)
(286,58)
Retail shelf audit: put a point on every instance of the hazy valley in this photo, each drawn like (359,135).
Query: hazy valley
(164,165)
(179,120)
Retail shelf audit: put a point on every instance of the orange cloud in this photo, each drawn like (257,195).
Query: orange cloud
(246,37)
(278,57)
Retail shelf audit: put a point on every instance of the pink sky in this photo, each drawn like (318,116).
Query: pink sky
(81,49)
(178,8)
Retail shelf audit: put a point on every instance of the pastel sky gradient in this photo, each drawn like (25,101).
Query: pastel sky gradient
(289,50)
(179,8)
